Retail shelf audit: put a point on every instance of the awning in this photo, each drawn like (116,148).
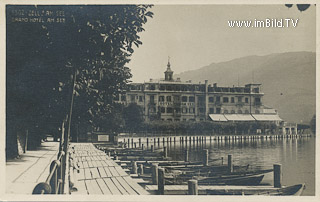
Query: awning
(217,117)
(239,117)
(266,117)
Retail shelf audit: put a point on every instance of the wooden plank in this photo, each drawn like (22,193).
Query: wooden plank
(85,164)
(80,175)
(120,171)
(94,163)
(81,187)
(135,186)
(80,164)
(113,189)
(104,164)
(99,164)
(87,174)
(90,164)
(94,173)
(107,171)
(113,171)
(88,158)
(119,186)
(104,188)
(126,186)
(102,172)
(93,187)
(109,163)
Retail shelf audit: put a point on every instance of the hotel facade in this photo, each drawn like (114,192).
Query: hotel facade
(171,99)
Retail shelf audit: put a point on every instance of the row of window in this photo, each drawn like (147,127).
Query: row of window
(189,99)
(170,110)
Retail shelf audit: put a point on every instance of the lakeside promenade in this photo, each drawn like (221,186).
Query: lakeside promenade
(23,174)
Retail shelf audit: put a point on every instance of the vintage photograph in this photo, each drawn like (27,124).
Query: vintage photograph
(153,99)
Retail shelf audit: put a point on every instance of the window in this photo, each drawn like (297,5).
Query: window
(218,111)
(161,98)
(184,99)
(163,110)
(191,110)
(226,111)
(123,98)
(211,99)
(184,110)
(151,98)
(184,119)
(257,112)
(169,110)
(239,99)
(246,112)
(257,100)
(176,98)
(177,120)
(140,99)
(211,111)
(201,110)
(225,100)
(191,99)
(232,100)
(233,112)
(247,100)
(169,119)
(239,111)
(152,87)
(152,109)
(218,98)
(168,98)
(256,90)
(177,110)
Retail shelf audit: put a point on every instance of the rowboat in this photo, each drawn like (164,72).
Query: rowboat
(294,190)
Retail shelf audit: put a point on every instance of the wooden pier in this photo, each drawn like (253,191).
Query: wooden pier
(93,172)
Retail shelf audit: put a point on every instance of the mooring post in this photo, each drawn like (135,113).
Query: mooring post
(147,141)
(152,148)
(174,139)
(230,166)
(193,187)
(135,145)
(221,160)
(165,152)
(161,181)
(277,176)
(134,167)
(154,141)
(139,142)
(205,157)
(141,171)
(131,142)
(142,147)
(186,155)
(154,173)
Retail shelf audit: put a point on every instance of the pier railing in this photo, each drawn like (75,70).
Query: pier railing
(56,179)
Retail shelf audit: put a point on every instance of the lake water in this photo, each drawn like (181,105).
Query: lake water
(296,155)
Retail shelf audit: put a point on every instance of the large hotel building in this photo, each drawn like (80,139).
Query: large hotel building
(174,100)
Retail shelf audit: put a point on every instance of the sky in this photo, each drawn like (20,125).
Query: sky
(195,36)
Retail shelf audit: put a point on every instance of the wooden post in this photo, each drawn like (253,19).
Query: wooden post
(205,157)
(154,173)
(152,148)
(174,139)
(134,167)
(161,181)
(221,160)
(26,142)
(162,140)
(165,152)
(141,171)
(142,147)
(147,141)
(193,187)
(135,145)
(154,141)
(132,143)
(139,142)
(277,175)
(186,155)
(230,166)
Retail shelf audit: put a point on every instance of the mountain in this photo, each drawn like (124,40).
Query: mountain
(288,80)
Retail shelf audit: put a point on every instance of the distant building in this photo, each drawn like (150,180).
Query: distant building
(174,100)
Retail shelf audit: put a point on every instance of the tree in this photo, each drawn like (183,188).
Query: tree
(95,41)
(133,117)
